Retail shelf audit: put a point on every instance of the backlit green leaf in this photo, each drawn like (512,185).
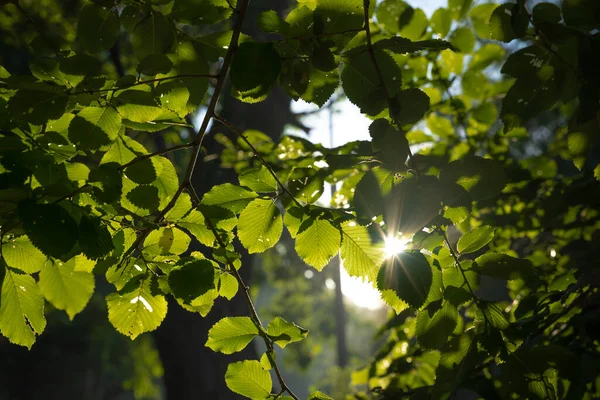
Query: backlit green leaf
(474,240)
(21,254)
(283,332)
(360,257)
(318,243)
(21,309)
(135,311)
(65,288)
(231,334)
(260,225)
(249,379)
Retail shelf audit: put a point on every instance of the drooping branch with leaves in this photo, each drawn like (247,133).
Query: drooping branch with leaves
(497,290)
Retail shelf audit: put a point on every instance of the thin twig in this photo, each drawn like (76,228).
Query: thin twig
(157,153)
(253,313)
(325,34)
(257,154)
(462,271)
(144,82)
(197,145)
(370,47)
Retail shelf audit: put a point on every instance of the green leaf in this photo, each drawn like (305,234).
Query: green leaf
(21,309)
(231,334)
(409,275)
(486,55)
(503,266)
(441,21)
(182,207)
(480,16)
(508,22)
(94,239)
(38,105)
(493,314)
(293,219)
(412,204)
(463,39)
(269,22)
(440,126)
(153,35)
(362,83)
(360,257)
(390,143)
(175,96)
(283,332)
(401,45)
(98,27)
(409,106)
(166,241)
(21,254)
(434,326)
(138,106)
(260,226)
(339,15)
(305,184)
(194,222)
(249,379)
(322,58)
(107,182)
(192,280)
(154,64)
(459,8)
(254,69)
(65,288)
(122,151)
(202,12)
(483,178)
(49,227)
(142,172)
(320,86)
(136,311)
(265,362)
(167,181)
(228,286)
(94,127)
(145,197)
(475,239)
(319,396)
(259,180)
(318,243)
(228,196)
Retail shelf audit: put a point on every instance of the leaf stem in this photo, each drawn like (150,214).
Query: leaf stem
(253,313)
(197,144)
(257,154)
(462,271)
(157,153)
(167,78)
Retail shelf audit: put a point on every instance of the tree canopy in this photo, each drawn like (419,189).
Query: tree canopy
(482,159)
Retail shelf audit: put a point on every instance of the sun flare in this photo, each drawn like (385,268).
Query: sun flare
(393,246)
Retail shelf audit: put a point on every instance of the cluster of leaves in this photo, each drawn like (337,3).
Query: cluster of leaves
(82,199)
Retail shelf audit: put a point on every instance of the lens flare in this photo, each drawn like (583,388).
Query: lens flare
(393,246)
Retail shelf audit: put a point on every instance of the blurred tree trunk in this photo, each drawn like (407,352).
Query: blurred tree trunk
(192,371)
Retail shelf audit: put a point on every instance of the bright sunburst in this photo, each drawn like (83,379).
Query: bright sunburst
(393,246)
